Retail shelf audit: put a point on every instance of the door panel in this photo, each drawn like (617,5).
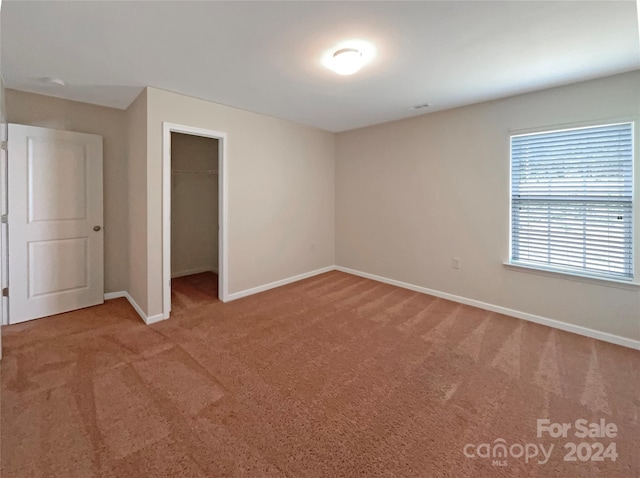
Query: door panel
(55,201)
(56,266)
(50,164)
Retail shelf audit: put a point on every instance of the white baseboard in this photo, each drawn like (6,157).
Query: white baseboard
(576,329)
(153,319)
(147,320)
(115,295)
(273,285)
(189,272)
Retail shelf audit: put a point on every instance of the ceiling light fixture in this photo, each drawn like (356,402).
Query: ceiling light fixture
(348,57)
(347,61)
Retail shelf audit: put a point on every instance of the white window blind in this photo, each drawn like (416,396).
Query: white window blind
(571,200)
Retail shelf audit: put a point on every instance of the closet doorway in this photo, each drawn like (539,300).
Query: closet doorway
(193,218)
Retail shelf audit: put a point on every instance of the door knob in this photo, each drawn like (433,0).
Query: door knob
(96,228)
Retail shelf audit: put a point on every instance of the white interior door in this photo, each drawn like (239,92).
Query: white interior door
(55,222)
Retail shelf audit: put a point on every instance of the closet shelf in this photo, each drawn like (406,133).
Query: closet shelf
(208,172)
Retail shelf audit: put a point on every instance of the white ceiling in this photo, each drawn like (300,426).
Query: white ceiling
(265,56)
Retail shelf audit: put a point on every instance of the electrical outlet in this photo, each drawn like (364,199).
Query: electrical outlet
(456,262)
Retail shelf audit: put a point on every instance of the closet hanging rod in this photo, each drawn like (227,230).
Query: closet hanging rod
(206,173)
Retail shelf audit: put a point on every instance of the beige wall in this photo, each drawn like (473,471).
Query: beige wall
(136,183)
(412,194)
(280,192)
(194,204)
(45,111)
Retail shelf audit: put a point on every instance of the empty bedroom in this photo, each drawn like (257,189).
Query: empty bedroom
(320,239)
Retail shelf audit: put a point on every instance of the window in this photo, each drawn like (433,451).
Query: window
(572,200)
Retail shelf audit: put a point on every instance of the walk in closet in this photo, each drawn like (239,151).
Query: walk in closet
(194,207)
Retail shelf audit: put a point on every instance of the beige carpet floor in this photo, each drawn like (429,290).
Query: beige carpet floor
(333,376)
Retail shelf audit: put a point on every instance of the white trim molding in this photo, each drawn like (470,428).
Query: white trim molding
(563,274)
(278,283)
(115,295)
(147,320)
(556,324)
(223,288)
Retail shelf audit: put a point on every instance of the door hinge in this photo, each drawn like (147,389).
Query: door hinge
(5,292)
(4,219)
(3,145)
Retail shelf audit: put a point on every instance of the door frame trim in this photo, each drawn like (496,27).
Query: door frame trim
(4,236)
(223,269)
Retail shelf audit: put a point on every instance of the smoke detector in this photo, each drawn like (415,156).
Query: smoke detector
(54,81)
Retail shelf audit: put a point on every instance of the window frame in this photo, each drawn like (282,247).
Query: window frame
(575,274)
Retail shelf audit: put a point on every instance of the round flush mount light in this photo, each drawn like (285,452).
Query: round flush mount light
(348,57)
(347,61)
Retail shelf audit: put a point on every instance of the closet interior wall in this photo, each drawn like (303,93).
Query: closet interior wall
(194,204)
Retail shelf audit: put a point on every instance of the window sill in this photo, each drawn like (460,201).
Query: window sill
(533,269)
